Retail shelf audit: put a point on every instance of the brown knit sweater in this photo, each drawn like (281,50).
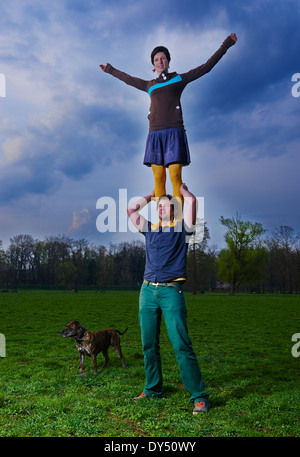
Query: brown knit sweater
(165,91)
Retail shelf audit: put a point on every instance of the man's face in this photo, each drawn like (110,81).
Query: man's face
(165,210)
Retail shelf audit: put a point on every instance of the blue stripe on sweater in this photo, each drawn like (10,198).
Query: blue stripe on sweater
(159,85)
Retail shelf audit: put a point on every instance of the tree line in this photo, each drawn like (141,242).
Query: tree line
(251,261)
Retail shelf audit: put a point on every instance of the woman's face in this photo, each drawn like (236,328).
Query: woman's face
(161,63)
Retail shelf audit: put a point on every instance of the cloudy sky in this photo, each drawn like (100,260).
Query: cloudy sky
(72,138)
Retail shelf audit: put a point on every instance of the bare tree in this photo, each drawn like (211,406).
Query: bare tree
(197,245)
(283,267)
(20,253)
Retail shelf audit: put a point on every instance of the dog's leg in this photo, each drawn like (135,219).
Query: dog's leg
(81,361)
(94,358)
(116,344)
(105,353)
(118,350)
(121,357)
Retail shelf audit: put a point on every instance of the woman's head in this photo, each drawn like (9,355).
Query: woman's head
(160,57)
(160,49)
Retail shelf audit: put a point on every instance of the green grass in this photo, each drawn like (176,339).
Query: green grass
(243,344)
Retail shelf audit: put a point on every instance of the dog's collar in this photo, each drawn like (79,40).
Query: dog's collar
(82,333)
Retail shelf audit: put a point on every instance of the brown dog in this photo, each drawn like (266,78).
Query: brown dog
(91,343)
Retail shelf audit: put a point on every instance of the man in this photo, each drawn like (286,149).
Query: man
(161,293)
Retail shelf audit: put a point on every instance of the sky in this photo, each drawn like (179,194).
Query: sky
(72,137)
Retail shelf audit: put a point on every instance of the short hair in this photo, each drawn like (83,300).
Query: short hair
(160,49)
(173,200)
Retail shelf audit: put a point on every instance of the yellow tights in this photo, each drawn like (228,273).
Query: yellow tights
(175,172)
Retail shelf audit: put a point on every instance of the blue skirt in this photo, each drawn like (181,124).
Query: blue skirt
(167,146)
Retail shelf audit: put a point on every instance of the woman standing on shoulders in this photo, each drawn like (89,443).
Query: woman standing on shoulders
(167,145)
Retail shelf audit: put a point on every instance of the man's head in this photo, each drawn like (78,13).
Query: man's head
(166,208)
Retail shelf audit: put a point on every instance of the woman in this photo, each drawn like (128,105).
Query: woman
(167,145)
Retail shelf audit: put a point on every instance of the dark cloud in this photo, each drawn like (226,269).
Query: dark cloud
(68,131)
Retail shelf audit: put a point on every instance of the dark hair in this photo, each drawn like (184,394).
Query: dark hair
(170,198)
(160,49)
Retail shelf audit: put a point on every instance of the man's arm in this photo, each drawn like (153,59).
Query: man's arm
(191,206)
(133,211)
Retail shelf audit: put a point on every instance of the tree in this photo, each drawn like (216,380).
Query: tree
(79,249)
(67,274)
(20,253)
(197,256)
(283,267)
(58,251)
(241,261)
(39,263)
(4,266)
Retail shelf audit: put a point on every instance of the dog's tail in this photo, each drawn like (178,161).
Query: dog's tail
(122,333)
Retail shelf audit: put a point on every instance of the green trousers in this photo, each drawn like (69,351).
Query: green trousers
(169,302)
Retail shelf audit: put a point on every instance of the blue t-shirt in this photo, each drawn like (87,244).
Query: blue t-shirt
(166,250)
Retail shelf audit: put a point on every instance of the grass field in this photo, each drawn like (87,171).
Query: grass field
(243,344)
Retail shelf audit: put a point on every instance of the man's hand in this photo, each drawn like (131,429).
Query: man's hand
(185,191)
(191,208)
(234,37)
(133,211)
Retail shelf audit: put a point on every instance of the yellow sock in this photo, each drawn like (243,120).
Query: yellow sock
(175,171)
(159,173)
